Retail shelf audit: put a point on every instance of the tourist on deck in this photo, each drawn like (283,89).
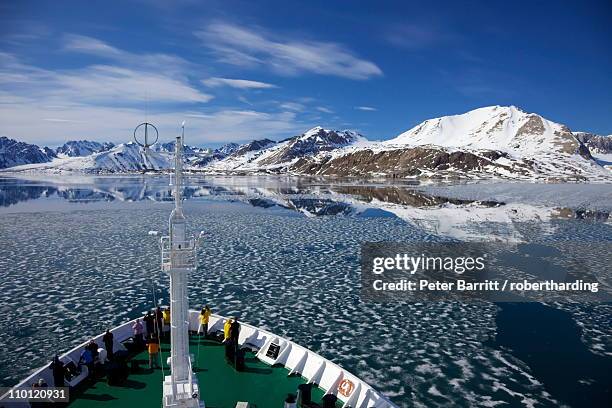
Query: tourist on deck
(234,334)
(87,359)
(108,343)
(149,320)
(166,317)
(93,347)
(235,330)
(226,330)
(40,384)
(204,317)
(159,321)
(153,348)
(137,327)
(57,367)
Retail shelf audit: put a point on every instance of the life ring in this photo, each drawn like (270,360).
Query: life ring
(346,387)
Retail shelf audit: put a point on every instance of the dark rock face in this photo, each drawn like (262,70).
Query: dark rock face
(310,143)
(12,194)
(253,146)
(227,149)
(404,162)
(204,160)
(406,197)
(533,126)
(75,148)
(49,152)
(568,143)
(14,153)
(596,143)
(312,206)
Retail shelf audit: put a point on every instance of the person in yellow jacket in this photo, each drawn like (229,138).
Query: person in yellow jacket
(153,349)
(204,317)
(226,329)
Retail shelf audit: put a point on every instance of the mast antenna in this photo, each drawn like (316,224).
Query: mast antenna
(179,258)
(143,136)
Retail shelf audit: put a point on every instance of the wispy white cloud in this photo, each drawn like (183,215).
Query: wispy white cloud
(415,36)
(324,109)
(157,62)
(60,120)
(46,125)
(249,48)
(90,45)
(103,83)
(28,32)
(236,83)
(244,125)
(104,102)
(366,108)
(292,106)
(99,84)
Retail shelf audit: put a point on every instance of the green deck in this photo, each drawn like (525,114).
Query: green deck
(221,386)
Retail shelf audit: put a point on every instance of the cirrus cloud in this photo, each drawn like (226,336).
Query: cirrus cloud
(366,108)
(249,48)
(236,83)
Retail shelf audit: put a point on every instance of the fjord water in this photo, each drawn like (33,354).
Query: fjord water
(283,254)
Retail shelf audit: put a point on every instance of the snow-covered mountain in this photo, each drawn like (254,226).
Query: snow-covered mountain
(187,150)
(252,146)
(312,142)
(77,148)
(502,128)
(490,142)
(15,153)
(49,152)
(123,158)
(597,144)
(227,149)
(269,156)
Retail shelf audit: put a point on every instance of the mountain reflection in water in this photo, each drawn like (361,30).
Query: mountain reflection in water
(458,218)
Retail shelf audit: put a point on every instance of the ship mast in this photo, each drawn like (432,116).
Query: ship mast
(179,257)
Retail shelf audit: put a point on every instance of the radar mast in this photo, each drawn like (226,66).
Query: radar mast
(178,258)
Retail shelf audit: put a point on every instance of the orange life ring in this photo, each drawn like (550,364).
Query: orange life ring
(346,387)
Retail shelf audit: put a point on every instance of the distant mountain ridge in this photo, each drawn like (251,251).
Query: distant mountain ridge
(187,150)
(15,153)
(76,148)
(312,142)
(490,142)
(269,156)
(596,143)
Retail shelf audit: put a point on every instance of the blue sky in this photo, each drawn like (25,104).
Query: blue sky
(239,70)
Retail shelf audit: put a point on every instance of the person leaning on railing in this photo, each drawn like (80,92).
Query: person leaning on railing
(59,371)
(204,317)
